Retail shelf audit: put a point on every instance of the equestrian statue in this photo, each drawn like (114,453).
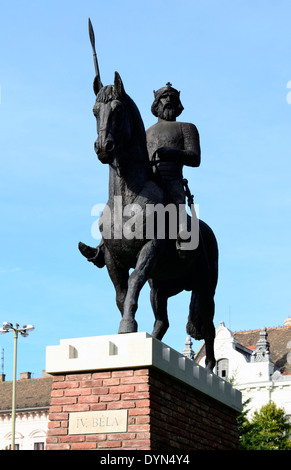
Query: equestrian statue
(147,234)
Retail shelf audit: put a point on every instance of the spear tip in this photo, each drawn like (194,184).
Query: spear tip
(91,33)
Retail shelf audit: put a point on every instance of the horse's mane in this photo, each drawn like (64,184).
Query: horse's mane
(106,94)
(138,125)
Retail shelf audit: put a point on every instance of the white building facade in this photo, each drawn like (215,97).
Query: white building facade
(252,371)
(31,430)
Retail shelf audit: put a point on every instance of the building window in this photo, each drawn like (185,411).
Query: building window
(222,368)
(39,446)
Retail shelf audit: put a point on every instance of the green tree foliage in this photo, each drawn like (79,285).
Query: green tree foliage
(268,429)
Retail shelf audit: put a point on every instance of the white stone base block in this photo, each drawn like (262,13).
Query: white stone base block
(135,350)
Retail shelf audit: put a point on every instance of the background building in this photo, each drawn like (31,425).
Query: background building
(257,362)
(32,408)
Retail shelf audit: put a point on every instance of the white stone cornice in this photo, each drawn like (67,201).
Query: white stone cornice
(136,350)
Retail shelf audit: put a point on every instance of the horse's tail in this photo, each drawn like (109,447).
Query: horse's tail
(194,327)
(209,270)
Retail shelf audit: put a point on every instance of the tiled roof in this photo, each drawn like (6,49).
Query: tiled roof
(278,338)
(30,393)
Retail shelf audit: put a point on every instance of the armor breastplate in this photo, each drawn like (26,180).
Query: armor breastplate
(166,134)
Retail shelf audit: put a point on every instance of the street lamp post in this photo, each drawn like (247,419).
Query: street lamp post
(23,331)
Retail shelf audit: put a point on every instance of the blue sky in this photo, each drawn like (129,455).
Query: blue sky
(231,61)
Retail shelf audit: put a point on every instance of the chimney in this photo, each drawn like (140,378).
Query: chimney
(45,374)
(25,375)
(2,378)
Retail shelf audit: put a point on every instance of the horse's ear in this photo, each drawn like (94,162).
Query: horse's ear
(118,85)
(97,84)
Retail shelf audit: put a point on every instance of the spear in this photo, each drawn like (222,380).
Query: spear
(97,81)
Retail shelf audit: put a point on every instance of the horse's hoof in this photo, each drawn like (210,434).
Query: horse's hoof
(94,255)
(127,326)
(160,328)
(87,251)
(210,364)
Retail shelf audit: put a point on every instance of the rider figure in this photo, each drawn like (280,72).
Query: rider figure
(171,145)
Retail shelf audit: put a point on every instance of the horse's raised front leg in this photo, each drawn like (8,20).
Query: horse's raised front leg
(144,266)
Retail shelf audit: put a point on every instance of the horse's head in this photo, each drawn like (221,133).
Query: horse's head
(113,121)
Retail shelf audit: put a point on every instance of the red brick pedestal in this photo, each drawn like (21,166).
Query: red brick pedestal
(162,411)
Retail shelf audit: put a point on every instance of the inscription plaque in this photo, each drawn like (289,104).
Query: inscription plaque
(96,422)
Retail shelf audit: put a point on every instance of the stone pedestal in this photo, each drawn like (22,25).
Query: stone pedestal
(132,392)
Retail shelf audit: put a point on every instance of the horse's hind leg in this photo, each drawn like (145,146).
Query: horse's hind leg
(159,301)
(206,305)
